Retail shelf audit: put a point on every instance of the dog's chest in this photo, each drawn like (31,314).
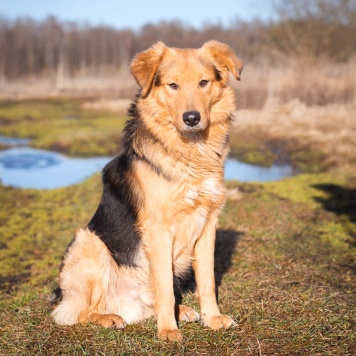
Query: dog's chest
(194,210)
(181,207)
(208,193)
(189,227)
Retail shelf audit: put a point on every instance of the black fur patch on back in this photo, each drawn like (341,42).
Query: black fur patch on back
(115,219)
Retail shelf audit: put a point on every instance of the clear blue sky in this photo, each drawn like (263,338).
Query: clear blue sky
(135,13)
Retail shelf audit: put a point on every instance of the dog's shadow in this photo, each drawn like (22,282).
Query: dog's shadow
(225,246)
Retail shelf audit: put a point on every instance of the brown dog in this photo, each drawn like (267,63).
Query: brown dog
(161,198)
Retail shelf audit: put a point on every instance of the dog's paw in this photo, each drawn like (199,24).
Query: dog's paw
(170,335)
(218,322)
(186,313)
(108,320)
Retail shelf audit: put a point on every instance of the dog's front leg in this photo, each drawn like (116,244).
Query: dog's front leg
(203,265)
(159,250)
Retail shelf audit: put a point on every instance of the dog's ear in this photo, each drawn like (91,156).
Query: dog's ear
(144,66)
(224,57)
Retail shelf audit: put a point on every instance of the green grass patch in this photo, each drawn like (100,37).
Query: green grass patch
(249,150)
(63,125)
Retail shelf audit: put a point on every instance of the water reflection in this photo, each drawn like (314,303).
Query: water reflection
(28,161)
(25,167)
(245,172)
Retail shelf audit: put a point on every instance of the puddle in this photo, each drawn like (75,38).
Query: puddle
(245,172)
(26,167)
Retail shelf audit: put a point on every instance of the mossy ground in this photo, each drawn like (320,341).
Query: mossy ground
(62,125)
(257,148)
(285,266)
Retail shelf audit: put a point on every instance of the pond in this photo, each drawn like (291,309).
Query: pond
(26,167)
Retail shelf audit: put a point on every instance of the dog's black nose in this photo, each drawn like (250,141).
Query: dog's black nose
(191,118)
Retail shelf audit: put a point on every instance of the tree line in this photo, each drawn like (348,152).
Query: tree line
(302,29)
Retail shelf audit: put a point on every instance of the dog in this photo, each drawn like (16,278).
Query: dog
(161,198)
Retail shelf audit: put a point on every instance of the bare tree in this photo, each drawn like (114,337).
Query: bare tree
(308,29)
(305,29)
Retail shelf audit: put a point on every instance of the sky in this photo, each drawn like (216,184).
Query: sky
(134,14)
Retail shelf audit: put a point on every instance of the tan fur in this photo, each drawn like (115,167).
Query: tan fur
(94,284)
(179,208)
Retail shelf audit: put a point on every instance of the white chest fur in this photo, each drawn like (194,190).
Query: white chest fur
(210,189)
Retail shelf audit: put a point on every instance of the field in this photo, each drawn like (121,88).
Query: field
(285,251)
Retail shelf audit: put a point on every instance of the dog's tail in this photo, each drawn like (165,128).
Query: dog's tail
(56,297)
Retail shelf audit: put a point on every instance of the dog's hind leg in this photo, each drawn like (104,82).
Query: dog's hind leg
(84,281)
(95,314)
(185,313)
(75,301)
(85,302)
(108,320)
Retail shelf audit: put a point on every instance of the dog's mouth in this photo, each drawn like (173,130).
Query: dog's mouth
(198,128)
(193,134)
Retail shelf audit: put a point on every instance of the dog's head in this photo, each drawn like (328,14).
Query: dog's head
(186,83)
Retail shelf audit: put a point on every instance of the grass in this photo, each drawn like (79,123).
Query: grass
(286,268)
(285,262)
(315,83)
(63,125)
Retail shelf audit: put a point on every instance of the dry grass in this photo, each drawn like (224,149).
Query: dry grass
(300,133)
(320,83)
(120,85)
(112,105)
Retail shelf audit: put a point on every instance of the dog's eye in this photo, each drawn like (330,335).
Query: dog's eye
(203,83)
(173,86)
